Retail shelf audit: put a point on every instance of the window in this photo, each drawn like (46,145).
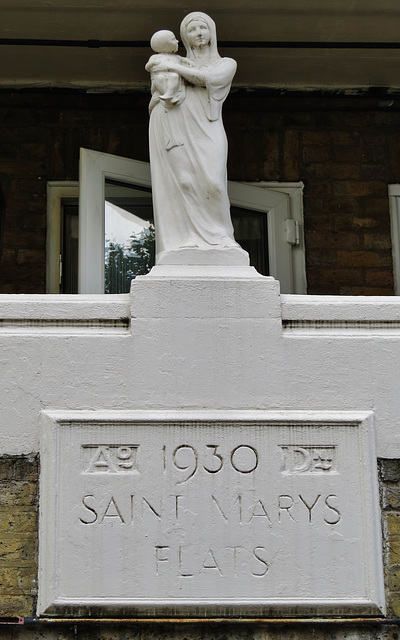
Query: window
(59,195)
(116,226)
(282,203)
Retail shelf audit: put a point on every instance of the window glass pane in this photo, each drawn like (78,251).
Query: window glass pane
(70,235)
(129,248)
(251,230)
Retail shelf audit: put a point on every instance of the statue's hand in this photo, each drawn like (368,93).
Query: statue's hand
(189,73)
(171,66)
(185,61)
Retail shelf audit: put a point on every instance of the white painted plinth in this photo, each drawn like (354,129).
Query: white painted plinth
(229,256)
(208,513)
(203,272)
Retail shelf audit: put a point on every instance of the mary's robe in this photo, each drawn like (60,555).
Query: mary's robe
(188,154)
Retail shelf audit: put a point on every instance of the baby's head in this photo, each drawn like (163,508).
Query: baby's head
(164,42)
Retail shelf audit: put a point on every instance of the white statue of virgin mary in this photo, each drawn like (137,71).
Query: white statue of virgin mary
(188,153)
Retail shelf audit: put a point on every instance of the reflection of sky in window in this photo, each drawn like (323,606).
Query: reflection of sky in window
(121,224)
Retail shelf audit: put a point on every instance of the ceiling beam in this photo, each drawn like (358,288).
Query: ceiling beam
(231,44)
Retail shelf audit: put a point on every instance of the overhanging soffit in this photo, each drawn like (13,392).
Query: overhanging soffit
(293,44)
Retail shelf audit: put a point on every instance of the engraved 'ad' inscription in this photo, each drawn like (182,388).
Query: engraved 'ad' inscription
(308,459)
(109,458)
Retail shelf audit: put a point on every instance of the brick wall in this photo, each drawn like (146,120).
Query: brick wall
(18,535)
(345,150)
(18,573)
(389,472)
(40,138)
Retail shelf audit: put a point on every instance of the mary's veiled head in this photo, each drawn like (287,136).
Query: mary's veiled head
(200,18)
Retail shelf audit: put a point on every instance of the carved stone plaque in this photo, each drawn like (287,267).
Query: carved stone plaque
(209,514)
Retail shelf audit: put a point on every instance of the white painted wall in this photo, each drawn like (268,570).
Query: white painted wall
(198,343)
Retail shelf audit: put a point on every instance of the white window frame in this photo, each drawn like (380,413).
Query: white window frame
(95,168)
(57,191)
(394,210)
(282,202)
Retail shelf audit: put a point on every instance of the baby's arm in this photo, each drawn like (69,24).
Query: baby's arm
(151,62)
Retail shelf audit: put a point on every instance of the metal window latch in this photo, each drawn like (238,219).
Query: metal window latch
(292,232)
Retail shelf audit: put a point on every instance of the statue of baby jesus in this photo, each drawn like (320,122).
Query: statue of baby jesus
(167,86)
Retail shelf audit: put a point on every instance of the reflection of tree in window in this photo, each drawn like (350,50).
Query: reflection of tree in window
(123,264)
(129,249)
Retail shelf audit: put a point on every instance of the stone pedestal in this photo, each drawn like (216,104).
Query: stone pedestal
(199,498)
